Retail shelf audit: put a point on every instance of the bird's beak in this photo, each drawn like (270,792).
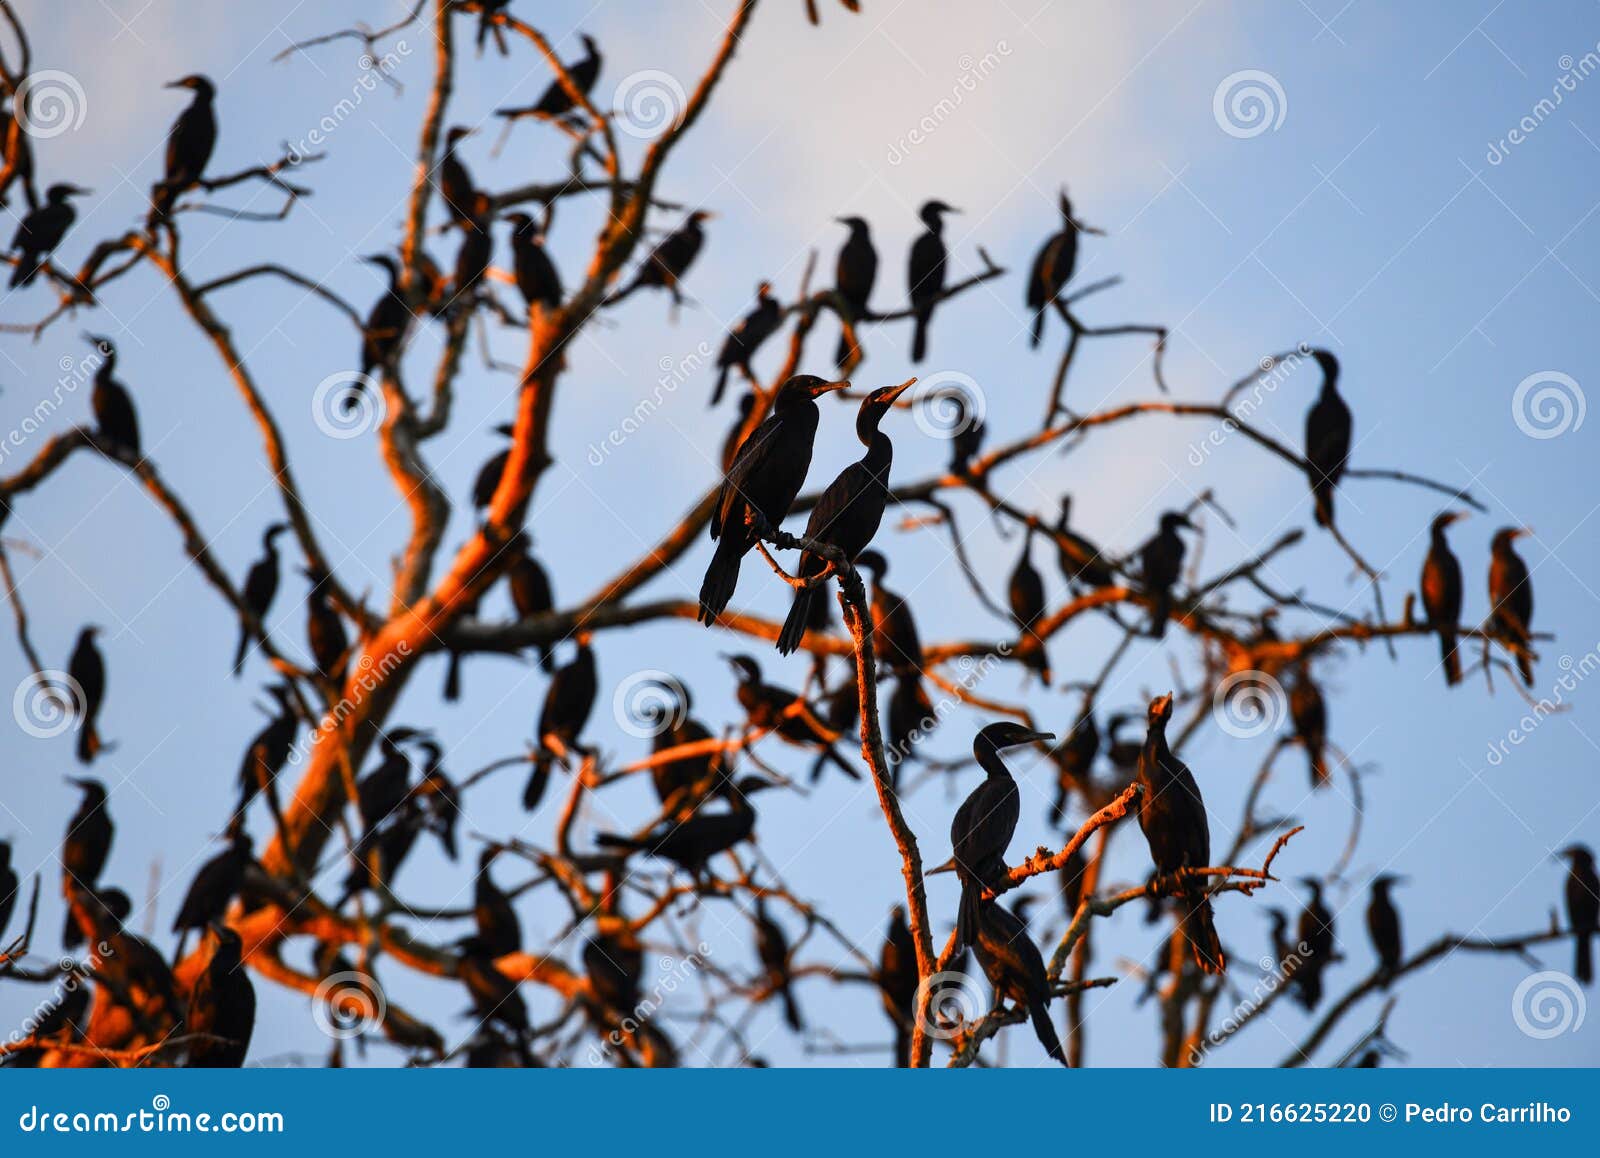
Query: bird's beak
(1162,705)
(1520,532)
(1036,737)
(829,387)
(900,389)
(1455,517)
(183,83)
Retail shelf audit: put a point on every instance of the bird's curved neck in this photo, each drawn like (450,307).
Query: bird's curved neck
(988,758)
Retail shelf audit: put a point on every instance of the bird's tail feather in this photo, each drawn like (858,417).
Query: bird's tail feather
(919,337)
(1450,654)
(1039,1014)
(88,742)
(452,679)
(791,1011)
(1038,328)
(1583,958)
(244,647)
(1201,932)
(794,627)
(722,576)
(970,915)
(1317,758)
(1323,498)
(538,780)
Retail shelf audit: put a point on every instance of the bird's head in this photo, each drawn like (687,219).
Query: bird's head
(196,83)
(457,133)
(103,345)
(1444,518)
(92,789)
(62,191)
(699,216)
(875,405)
(932,213)
(1578,854)
(805,387)
(589,43)
(1505,536)
(1174,521)
(1383,882)
(872,560)
(747,669)
(1066,204)
(1314,884)
(1007,734)
(384,262)
(1329,364)
(853,224)
(1160,711)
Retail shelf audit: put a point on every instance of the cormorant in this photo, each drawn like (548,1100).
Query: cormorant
(664,265)
(380,792)
(489,25)
(529,584)
(437,796)
(387,324)
(266,756)
(456,189)
(216,883)
(761,485)
(1583,909)
(222,1006)
(260,588)
(97,905)
(499,930)
(911,716)
(692,841)
(116,423)
(926,273)
(8,887)
(1074,759)
(88,841)
(896,643)
(189,144)
(853,276)
(734,439)
(985,822)
(613,960)
(1172,816)
(555,101)
(746,338)
(325,629)
(848,512)
(537,278)
(967,432)
(1160,567)
(1026,595)
(41,231)
(1082,564)
(472,259)
(1053,266)
(1441,593)
(1328,426)
(1014,966)
(1309,713)
(495,997)
(86,673)
(772,948)
(1383,925)
(1123,754)
(488,477)
(1316,934)
(786,713)
(1511,598)
(567,703)
(672,727)
(898,983)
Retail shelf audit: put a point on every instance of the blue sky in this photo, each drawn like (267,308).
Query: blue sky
(1370,218)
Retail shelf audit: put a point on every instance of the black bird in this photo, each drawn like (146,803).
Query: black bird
(613,960)
(1014,966)
(97,905)
(1583,909)
(189,144)
(88,840)
(1081,563)
(438,796)
(985,822)
(1309,713)
(567,703)
(387,324)
(1123,754)
(1074,760)
(966,432)
(1383,926)
(1328,426)
(911,717)
(451,692)
(746,338)
(325,629)
(41,231)
(772,948)
(898,983)
(672,726)
(9,886)
(1160,567)
(496,1000)
(116,422)
(86,673)
(381,792)
(16,159)
(838,707)
(531,593)
(1025,592)
(489,25)
(379,852)
(1053,266)
(848,512)
(734,439)
(488,477)
(536,275)
(692,841)
(216,883)
(499,930)
(222,1006)
(926,273)
(1511,598)
(1173,818)
(265,757)
(786,713)
(853,277)
(456,189)
(761,484)
(666,264)
(260,588)
(472,259)
(896,643)
(1315,932)
(555,102)
(1441,593)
